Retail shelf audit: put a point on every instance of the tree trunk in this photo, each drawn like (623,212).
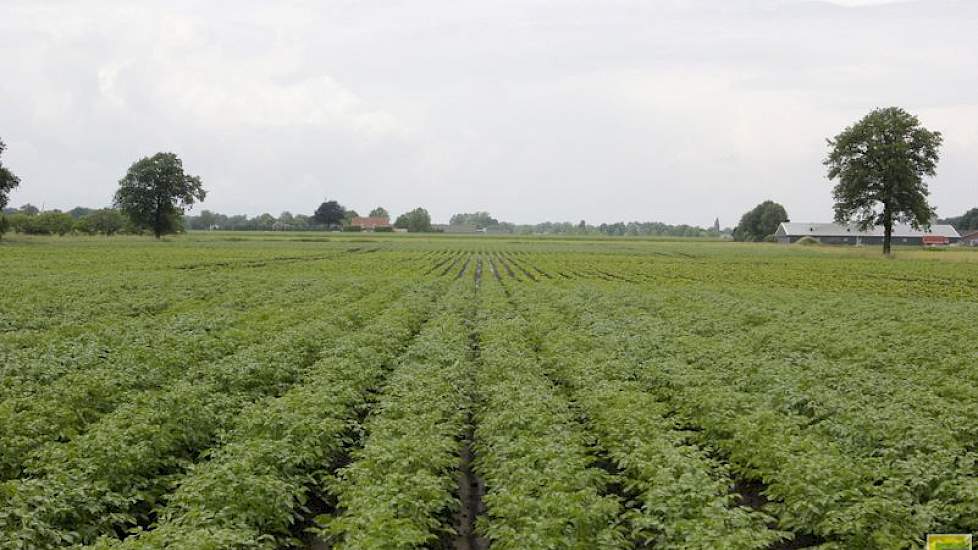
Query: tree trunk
(158,224)
(887,230)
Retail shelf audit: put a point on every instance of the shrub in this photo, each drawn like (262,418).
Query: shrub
(47,223)
(107,221)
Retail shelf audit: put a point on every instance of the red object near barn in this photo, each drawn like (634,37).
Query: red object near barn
(935,240)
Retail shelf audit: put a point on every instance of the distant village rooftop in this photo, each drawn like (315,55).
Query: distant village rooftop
(370,223)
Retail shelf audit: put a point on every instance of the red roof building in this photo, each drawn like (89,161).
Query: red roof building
(370,223)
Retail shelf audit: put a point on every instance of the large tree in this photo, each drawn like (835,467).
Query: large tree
(155,192)
(380,212)
(880,163)
(8,181)
(760,222)
(329,213)
(415,221)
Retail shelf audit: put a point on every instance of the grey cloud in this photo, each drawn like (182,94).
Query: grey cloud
(674,111)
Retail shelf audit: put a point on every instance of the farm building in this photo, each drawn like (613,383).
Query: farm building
(970,238)
(370,223)
(833,233)
(458,229)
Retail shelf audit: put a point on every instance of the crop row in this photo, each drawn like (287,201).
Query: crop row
(543,488)
(679,495)
(252,489)
(64,409)
(399,490)
(172,333)
(790,426)
(110,477)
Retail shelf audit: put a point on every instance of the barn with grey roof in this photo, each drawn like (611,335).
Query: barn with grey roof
(833,233)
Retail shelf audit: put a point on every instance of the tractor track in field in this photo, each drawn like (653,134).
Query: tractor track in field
(523,270)
(256,263)
(495,272)
(465,266)
(509,270)
(542,273)
(449,267)
(471,488)
(617,277)
(751,495)
(437,265)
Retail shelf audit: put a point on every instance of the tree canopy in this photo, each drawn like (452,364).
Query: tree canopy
(760,222)
(380,212)
(478,219)
(8,181)
(879,164)
(329,213)
(155,192)
(415,221)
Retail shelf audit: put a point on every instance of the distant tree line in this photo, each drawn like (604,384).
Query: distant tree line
(965,222)
(105,221)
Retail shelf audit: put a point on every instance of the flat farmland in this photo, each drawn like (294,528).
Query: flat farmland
(224,390)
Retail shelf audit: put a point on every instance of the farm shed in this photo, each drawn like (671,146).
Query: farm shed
(446,228)
(370,223)
(970,238)
(833,233)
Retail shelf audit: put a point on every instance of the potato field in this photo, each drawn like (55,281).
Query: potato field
(290,390)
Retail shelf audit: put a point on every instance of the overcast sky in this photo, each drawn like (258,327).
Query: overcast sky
(668,110)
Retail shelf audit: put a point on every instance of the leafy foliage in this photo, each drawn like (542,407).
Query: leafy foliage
(107,221)
(155,192)
(400,484)
(329,213)
(415,221)
(379,212)
(46,223)
(544,490)
(478,219)
(760,222)
(8,181)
